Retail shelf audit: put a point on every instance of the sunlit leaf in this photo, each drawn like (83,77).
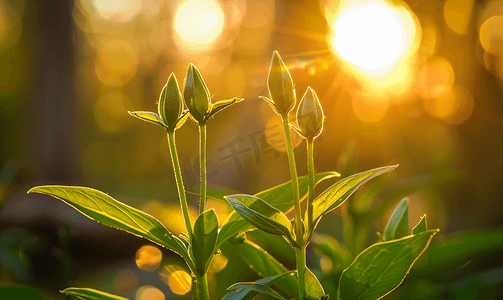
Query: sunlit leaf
(339,192)
(265,265)
(108,211)
(222,104)
(261,214)
(246,294)
(256,287)
(280,197)
(421,226)
(382,267)
(90,294)
(204,238)
(398,224)
(148,116)
(312,287)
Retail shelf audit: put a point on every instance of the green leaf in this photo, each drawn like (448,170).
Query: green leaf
(108,211)
(204,239)
(90,294)
(246,294)
(256,287)
(280,197)
(398,224)
(149,117)
(312,287)
(222,104)
(381,268)
(261,214)
(265,266)
(275,108)
(339,192)
(421,226)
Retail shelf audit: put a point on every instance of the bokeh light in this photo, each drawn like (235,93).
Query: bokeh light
(199,23)
(125,281)
(373,35)
(457,14)
(149,292)
(117,10)
(491,35)
(148,258)
(178,280)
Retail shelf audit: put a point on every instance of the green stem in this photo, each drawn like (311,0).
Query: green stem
(202,164)
(310,195)
(300,253)
(179,182)
(202,287)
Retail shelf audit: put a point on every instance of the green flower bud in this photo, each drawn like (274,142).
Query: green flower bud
(310,115)
(280,86)
(170,103)
(196,94)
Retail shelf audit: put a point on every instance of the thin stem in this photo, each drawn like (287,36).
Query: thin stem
(300,253)
(179,182)
(202,287)
(202,164)
(310,195)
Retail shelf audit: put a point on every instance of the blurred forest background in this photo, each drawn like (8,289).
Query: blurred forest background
(421,87)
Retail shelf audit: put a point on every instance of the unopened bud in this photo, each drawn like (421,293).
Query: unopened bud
(280,86)
(196,94)
(310,115)
(170,103)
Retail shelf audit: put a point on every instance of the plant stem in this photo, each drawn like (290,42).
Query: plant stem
(202,287)
(299,252)
(202,165)
(179,182)
(310,195)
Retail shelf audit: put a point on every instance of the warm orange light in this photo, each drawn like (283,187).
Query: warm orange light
(373,36)
(148,258)
(117,10)
(199,23)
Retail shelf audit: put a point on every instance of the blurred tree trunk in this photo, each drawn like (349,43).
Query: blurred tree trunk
(54,96)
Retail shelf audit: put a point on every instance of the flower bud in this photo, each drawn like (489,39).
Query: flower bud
(280,86)
(170,103)
(310,115)
(196,94)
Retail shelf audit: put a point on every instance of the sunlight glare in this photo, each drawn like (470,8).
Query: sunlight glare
(373,36)
(199,22)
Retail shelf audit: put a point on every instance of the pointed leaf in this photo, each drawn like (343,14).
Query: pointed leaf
(265,265)
(182,119)
(280,197)
(339,192)
(204,239)
(261,214)
(312,287)
(275,108)
(245,294)
(256,287)
(90,294)
(382,267)
(222,104)
(421,226)
(148,116)
(398,224)
(108,211)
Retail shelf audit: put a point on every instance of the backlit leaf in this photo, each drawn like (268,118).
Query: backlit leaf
(90,294)
(222,104)
(265,265)
(257,287)
(398,224)
(381,268)
(108,211)
(280,197)
(312,287)
(261,214)
(246,294)
(204,238)
(339,192)
(421,226)
(148,116)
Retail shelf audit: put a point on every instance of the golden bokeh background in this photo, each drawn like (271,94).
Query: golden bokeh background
(419,83)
